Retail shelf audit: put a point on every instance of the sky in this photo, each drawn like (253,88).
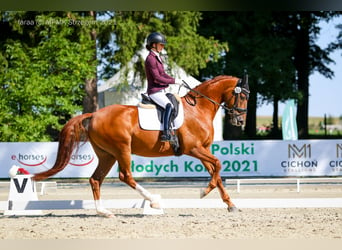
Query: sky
(325,94)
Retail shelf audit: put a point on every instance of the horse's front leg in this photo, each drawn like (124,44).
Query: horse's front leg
(225,196)
(216,181)
(214,171)
(212,183)
(213,165)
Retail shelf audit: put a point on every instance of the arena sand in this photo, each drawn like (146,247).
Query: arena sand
(195,224)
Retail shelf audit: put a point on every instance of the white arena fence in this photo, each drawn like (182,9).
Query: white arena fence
(239,159)
(23,198)
(174,203)
(283,181)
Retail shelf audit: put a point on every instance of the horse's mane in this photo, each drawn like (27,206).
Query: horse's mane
(212,81)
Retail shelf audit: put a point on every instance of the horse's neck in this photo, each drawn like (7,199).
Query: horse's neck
(200,106)
(211,90)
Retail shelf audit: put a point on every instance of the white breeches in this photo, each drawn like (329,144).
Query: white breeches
(161,99)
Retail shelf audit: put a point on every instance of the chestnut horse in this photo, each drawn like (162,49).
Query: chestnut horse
(115,134)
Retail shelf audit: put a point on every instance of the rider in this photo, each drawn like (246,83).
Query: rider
(158,80)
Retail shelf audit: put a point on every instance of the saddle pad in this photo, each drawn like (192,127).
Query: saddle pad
(148,118)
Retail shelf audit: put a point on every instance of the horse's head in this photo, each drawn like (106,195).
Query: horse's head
(236,102)
(231,91)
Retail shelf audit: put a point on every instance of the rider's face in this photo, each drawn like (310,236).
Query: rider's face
(159,47)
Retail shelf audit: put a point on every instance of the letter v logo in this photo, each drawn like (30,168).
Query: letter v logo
(19,188)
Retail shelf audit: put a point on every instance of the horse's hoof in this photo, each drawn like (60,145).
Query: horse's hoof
(232,209)
(105,213)
(202,193)
(155,205)
(155,201)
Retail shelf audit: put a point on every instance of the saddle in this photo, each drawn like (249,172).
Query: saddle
(151,117)
(175,100)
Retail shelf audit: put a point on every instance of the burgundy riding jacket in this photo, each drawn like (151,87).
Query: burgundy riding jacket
(157,79)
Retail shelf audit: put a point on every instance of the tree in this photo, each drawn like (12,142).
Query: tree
(308,57)
(90,102)
(48,61)
(185,46)
(45,58)
(255,45)
(338,43)
(278,49)
(302,29)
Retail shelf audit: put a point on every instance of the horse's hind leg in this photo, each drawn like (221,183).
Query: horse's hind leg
(125,176)
(106,161)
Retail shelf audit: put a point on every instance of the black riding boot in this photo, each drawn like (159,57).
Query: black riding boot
(166,136)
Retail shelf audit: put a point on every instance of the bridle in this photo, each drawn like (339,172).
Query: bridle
(237,94)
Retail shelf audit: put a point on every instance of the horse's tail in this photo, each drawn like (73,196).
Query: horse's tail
(70,137)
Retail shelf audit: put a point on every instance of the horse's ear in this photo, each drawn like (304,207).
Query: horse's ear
(245,80)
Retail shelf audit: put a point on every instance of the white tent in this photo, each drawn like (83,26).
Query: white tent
(109,93)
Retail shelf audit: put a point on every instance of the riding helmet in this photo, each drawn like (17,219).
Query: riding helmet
(155,37)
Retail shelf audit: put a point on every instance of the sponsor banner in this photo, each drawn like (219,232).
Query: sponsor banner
(39,156)
(238,159)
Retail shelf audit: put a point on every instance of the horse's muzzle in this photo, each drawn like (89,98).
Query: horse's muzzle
(237,121)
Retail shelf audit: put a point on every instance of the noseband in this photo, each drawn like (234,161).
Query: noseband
(237,93)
